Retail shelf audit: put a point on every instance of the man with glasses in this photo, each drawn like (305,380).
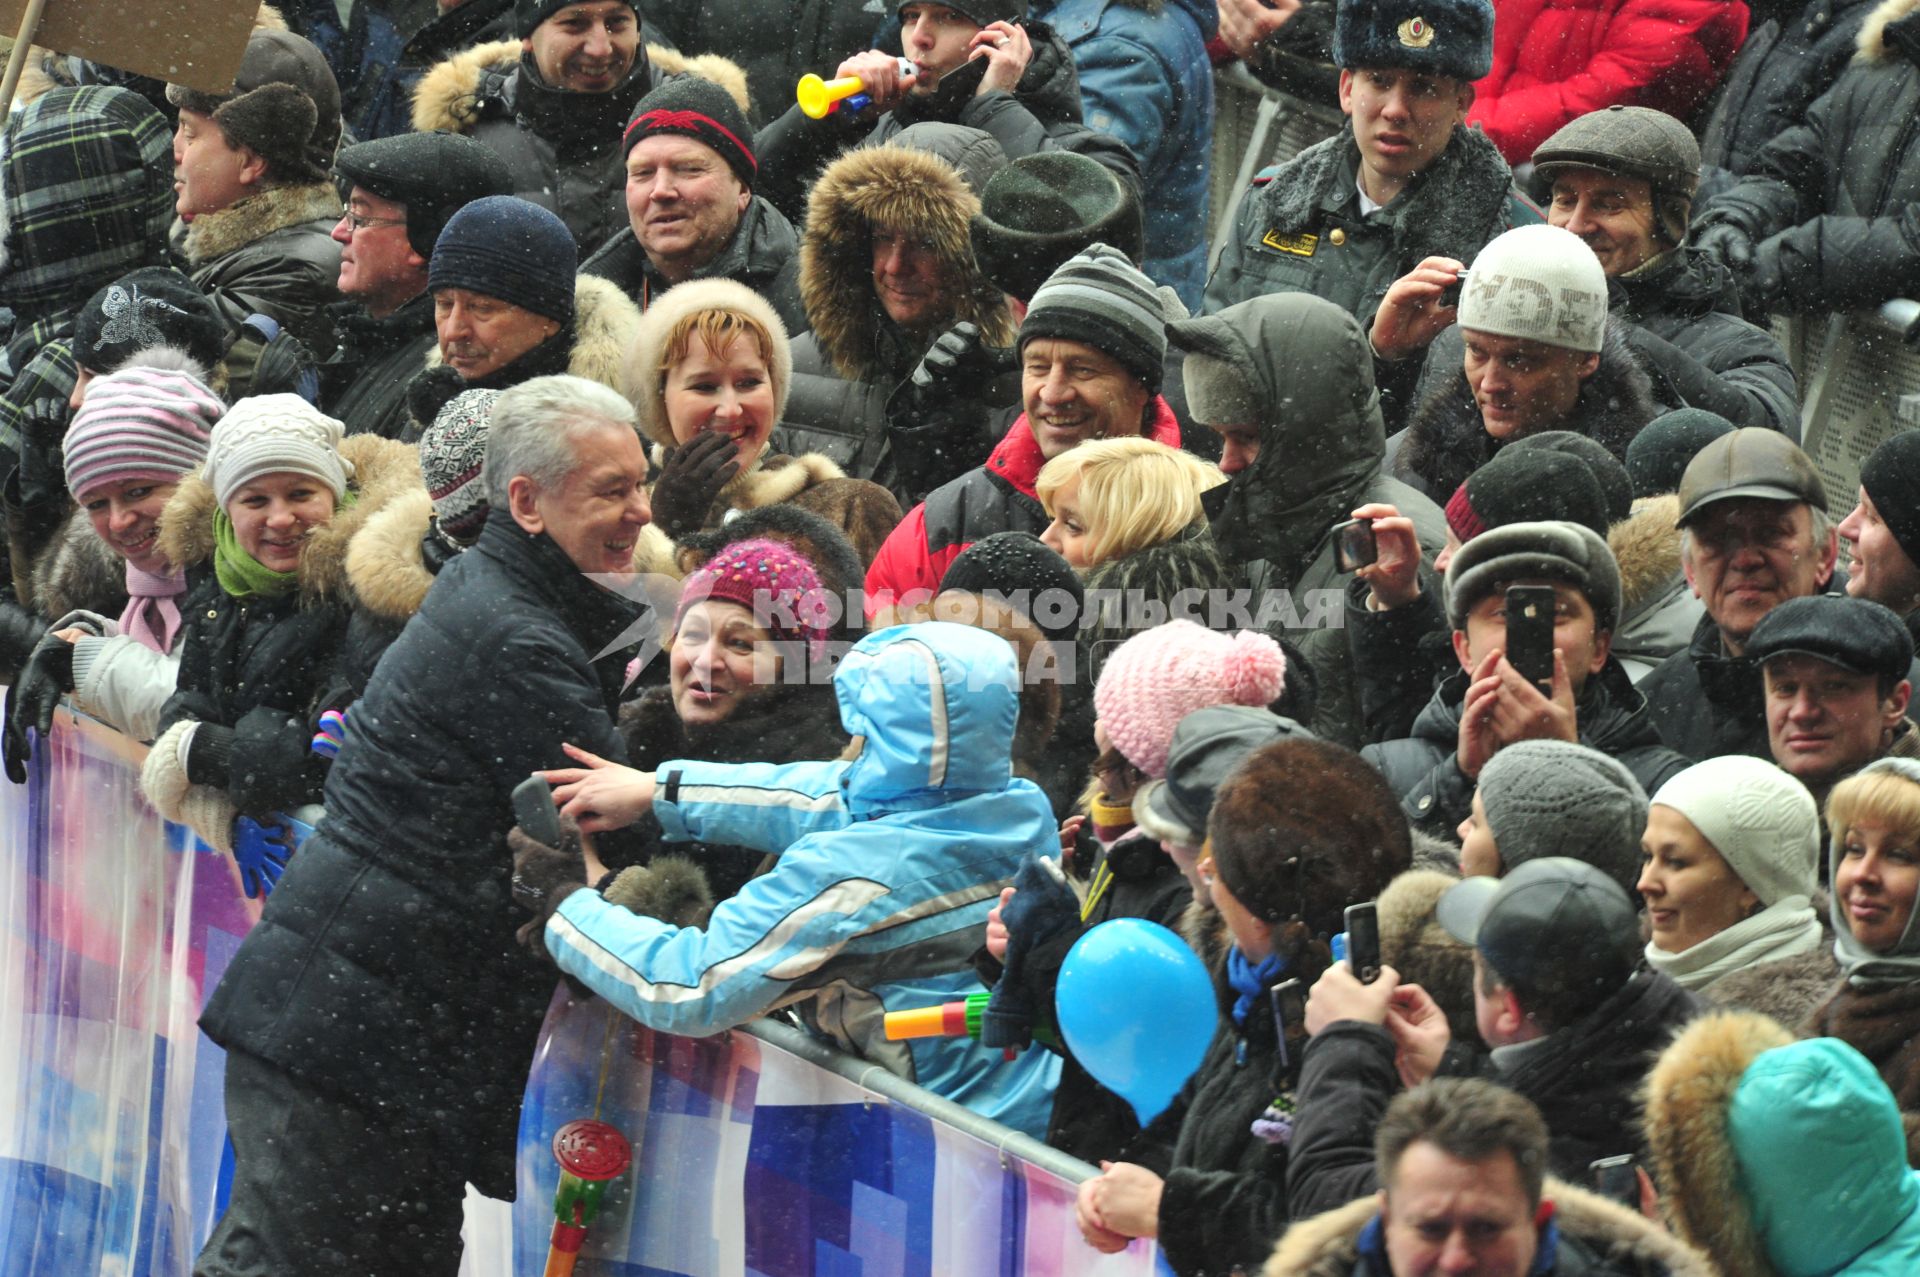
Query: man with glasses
(400,193)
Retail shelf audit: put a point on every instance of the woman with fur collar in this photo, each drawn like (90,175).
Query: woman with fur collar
(267,629)
(708,374)
(253,174)
(1781,1158)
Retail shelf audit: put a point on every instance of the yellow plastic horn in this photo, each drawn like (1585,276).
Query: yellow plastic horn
(817,96)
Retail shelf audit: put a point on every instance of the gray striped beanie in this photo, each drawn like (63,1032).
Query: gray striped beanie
(1101,299)
(139,423)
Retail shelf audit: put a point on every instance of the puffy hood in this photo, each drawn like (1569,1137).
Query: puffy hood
(937,703)
(894,186)
(1781,1158)
(1302,369)
(1875,37)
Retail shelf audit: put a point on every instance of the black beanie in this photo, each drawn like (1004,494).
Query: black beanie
(981,11)
(1019,566)
(1659,454)
(1526,486)
(512,249)
(1044,208)
(153,306)
(1607,471)
(434,174)
(689,106)
(528,14)
(1891,476)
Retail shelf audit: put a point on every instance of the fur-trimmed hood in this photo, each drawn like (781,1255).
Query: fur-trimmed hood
(1872,44)
(78,571)
(895,186)
(1413,943)
(385,563)
(1838,1197)
(1329,1245)
(1446,441)
(451,95)
(646,377)
(1647,545)
(383,471)
(214,235)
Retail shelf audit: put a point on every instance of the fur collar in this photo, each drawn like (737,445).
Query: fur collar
(1647,546)
(451,95)
(383,471)
(1328,1245)
(78,571)
(1872,44)
(385,565)
(899,187)
(1446,441)
(1462,199)
(212,235)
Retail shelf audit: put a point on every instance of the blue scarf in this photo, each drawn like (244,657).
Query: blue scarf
(1249,981)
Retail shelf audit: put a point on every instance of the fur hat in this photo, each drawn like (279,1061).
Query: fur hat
(1302,829)
(434,174)
(284,106)
(646,375)
(1159,676)
(1549,551)
(1045,208)
(1556,798)
(1538,283)
(1762,821)
(1443,37)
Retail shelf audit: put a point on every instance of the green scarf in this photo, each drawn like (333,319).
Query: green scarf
(245,577)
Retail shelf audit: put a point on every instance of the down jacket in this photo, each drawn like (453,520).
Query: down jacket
(565,150)
(272,254)
(1823,201)
(814,35)
(1555,61)
(384,968)
(888,865)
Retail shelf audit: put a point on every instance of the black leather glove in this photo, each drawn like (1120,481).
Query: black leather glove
(20,633)
(690,480)
(1730,243)
(544,876)
(46,677)
(942,407)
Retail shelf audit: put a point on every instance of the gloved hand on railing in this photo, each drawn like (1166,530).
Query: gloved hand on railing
(35,694)
(262,852)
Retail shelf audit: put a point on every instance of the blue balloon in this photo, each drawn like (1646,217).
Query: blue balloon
(1137,1010)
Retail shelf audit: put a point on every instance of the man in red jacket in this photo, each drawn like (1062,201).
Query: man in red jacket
(1092,350)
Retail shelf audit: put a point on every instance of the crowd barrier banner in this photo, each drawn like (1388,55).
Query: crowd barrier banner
(755,1152)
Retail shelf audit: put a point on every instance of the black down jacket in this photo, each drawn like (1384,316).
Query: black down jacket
(384,968)
(365,383)
(1824,201)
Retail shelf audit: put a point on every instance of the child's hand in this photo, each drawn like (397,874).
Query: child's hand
(997,929)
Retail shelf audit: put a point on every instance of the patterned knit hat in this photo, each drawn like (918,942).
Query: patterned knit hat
(1159,676)
(1556,798)
(1538,283)
(153,306)
(506,247)
(774,582)
(139,423)
(1100,298)
(275,434)
(1023,569)
(452,452)
(687,106)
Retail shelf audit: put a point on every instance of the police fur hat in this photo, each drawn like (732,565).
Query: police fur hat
(1444,37)
(284,106)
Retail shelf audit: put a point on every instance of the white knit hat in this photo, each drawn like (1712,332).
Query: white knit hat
(1539,283)
(1762,821)
(274,434)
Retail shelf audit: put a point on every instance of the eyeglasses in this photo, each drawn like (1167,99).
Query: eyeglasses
(356,222)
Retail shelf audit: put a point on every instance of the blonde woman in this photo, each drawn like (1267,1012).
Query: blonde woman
(1109,498)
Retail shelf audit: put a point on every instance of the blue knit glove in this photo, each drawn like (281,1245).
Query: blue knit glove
(1042,907)
(262,852)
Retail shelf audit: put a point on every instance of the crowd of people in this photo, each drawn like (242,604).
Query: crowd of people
(898,551)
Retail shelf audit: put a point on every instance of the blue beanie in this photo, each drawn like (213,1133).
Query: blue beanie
(512,249)
(1442,37)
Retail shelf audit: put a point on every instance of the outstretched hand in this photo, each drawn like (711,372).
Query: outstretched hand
(599,794)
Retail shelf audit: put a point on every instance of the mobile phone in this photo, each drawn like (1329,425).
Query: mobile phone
(1450,295)
(1363,941)
(1530,615)
(1617,1179)
(534,812)
(1289,999)
(1354,545)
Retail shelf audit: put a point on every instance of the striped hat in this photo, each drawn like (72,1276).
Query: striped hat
(139,423)
(1101,299)
(275,434)
(452,452)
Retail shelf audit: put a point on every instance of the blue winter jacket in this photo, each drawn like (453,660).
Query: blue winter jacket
(887,867)
(1145,79)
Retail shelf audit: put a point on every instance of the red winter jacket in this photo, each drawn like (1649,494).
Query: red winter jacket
(998,497)
(1556,60)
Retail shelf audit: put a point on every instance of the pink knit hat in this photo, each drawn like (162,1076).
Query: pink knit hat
(770,579)
(1161,675)
(139,423)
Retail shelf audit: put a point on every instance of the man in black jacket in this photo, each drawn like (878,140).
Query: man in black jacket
(1623,180)
(380,1020)
(1754,532)
(403,192)
(1573,1026)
